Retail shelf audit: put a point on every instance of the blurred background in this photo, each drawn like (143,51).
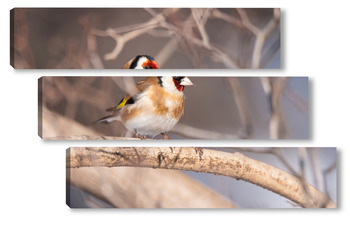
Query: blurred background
(85,38)
(216,108)
(317,166)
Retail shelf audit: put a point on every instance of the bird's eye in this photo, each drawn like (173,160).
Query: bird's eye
(146,67)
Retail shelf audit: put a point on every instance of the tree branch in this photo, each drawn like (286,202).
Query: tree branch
(126,187)
(234,165)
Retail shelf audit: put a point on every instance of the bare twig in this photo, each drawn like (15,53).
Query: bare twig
(193,132)
(316,169)
(200,17)
(302,159)
(242,107)
(216,13)
(91,44)
(277,126)
(274,88)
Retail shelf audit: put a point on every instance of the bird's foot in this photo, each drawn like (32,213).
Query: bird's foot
(142,137)
(165,137)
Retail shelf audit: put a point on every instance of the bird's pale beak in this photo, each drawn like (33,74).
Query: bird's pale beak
(186,82)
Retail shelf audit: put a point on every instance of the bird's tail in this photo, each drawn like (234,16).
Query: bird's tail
(108,119)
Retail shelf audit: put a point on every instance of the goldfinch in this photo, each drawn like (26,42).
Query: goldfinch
(141,62)
(154,109)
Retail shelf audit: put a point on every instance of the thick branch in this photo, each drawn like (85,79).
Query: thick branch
(126,187)
(234,165)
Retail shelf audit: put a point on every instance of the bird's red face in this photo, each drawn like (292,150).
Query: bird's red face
(150,64)
(181,81)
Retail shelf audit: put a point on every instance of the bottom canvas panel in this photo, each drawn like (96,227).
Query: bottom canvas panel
(194,177)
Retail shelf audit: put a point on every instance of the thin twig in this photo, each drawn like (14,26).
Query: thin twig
(242,107)
(193,132)
(277,126)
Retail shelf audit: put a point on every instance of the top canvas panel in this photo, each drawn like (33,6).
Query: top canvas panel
(177,38)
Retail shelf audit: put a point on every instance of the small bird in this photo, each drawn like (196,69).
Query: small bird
(155,108)
(141,62)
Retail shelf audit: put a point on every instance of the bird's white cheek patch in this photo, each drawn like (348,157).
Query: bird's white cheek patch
(140,62)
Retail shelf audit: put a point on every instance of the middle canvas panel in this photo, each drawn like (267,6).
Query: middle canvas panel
(166,107)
